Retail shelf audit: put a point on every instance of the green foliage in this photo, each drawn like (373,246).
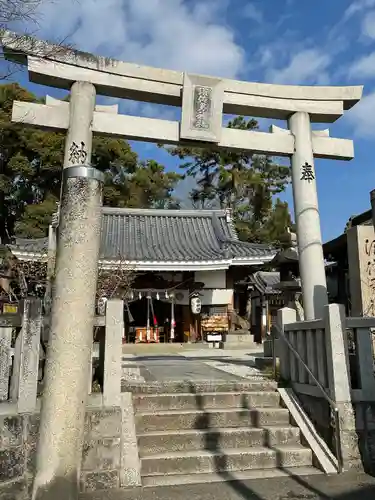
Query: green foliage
(244,182)
(36,218)
(146,186)
(31,165)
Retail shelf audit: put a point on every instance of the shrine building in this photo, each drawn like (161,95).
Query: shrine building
(174,255)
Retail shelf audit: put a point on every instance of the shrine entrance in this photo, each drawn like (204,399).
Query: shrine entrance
(203,101)
(156,315)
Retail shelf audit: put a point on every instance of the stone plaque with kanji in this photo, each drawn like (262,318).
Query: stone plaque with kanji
(202,108)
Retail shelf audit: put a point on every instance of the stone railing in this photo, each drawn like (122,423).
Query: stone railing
(338,352)
(328,349)
(21,354)
(110,454)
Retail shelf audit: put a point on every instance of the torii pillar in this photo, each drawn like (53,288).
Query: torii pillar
(71,332)
(310,250)
(305,198)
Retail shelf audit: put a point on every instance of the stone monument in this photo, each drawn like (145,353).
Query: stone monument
(361,259)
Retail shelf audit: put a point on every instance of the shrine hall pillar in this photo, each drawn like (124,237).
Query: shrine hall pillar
(71,333)
(311,259)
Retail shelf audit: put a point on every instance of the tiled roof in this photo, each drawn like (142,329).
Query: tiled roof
(175,236)
(266,281)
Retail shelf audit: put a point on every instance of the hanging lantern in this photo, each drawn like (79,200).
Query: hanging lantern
(139,295)
(196,305)
(157,296)
(102,303)
(131,295)
(166,294)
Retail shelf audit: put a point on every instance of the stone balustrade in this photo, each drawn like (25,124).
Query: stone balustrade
(338,351)
(109,428)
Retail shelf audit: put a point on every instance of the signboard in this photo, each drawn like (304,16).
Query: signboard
(215,323)
(214,336)
(10,308)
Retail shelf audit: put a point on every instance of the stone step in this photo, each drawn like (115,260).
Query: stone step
(211,400)
(233,417)
(231,438)
(244,338)
(199,386)
(216,477)
(205,461)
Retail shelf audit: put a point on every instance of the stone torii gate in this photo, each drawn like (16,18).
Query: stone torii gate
(203,100)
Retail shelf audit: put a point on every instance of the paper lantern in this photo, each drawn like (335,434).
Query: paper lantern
(196,305)
(102,303)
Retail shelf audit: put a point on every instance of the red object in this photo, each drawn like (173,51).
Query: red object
(141,336)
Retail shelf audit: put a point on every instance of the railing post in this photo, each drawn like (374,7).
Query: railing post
(339,382)
(285,316)
(365,360)
(114,328)
(337,353)
(5,343)
(26,357)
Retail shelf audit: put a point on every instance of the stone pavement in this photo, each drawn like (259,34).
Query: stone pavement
(197,365)
(179,368)
(348,486)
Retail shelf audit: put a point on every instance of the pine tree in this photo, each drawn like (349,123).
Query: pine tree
(244,182)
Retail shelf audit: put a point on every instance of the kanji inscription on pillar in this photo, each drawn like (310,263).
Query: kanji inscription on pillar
(202,108)
(307,173)
(368,284)
(77,153)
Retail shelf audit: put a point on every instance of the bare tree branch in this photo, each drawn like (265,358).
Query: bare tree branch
(18,10)
(26,12)
(115,282)
(20,278)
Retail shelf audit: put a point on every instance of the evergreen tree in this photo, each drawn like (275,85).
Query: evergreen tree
(243,182)
(31,168)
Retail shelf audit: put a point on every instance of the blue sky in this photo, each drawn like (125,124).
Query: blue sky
(276,41)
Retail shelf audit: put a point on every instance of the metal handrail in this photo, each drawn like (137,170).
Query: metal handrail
(335,410)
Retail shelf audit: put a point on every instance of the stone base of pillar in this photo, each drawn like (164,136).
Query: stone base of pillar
(64,488)
(351,454)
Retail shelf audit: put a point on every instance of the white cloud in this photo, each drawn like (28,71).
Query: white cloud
(358,6)
(188,35)
(361,117)
(307,66)
(252,12)
(266,56)
(364,67)
(368,25)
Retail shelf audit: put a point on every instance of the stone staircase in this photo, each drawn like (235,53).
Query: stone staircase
(223,431)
